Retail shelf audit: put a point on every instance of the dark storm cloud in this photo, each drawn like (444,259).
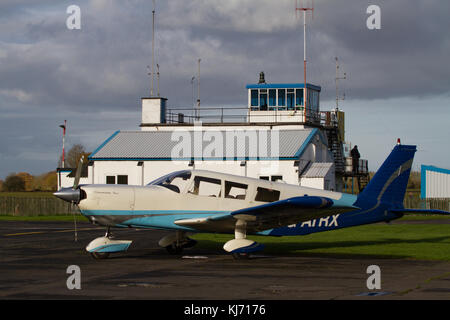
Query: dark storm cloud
(104,63)
(52,73)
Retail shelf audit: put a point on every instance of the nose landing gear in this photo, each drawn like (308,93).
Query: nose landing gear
(101,247)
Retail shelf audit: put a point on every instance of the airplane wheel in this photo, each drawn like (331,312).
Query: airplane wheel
(100,255)
(174,249)
(241,256)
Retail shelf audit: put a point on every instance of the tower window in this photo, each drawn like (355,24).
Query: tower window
(281,98)
(254,98)
(272,97)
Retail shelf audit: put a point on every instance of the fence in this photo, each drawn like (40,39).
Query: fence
(416,203)
(35,206)
(41,206)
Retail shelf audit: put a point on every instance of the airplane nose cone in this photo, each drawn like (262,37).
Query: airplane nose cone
(68,194)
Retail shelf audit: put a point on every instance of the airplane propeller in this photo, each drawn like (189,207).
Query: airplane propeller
(75,187)
(73,195)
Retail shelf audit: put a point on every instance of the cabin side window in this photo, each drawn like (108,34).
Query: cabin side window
(234,190)
(204,186)
(267,195)
(175,181)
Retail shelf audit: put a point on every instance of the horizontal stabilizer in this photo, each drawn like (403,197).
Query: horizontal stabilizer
(420,211)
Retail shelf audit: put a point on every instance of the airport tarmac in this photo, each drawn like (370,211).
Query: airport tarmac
(35,257)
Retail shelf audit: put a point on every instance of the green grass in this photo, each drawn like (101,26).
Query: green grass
(418,241)
(424,217)
(429,241)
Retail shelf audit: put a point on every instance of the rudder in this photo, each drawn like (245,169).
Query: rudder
(389,183)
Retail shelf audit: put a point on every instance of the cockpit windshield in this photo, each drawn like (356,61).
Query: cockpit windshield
(174,181)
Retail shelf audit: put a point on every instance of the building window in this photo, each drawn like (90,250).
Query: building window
(314,100)
(110,179)
(281,98)
(272,178)
(299,97)
(263,99)
(290,99)
(122,179)
(254,98)
(272,98)
(234,190)
(267,195)
(276,178)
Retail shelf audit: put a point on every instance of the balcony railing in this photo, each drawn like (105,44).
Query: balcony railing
(245,115)
(363,167)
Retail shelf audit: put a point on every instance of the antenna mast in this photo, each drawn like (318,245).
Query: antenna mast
(157,78)
(153,47)
(198,88)
(192,83)
(304,9)
(337,80)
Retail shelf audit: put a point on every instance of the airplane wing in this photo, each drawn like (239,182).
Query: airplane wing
(271,215)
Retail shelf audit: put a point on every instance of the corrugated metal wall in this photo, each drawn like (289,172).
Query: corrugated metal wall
(435,183)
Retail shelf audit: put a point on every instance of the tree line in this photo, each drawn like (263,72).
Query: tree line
(24,181)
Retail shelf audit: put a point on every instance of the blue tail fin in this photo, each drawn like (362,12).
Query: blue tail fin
(389,183)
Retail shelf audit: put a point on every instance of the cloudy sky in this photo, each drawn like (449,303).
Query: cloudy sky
(398,77)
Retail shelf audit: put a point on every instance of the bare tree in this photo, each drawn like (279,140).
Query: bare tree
(73,156)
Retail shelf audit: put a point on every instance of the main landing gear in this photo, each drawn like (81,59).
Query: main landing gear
(176,242)
(240,247)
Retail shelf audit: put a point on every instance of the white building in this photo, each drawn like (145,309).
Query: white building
(435,183)
(275,137)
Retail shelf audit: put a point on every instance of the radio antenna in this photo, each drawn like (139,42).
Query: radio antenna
(198,92)
(300,7)
(337,80)
(153,48)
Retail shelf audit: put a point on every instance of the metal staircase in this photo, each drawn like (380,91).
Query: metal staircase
(335,146)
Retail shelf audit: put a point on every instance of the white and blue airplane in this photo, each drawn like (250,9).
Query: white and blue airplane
(194,201)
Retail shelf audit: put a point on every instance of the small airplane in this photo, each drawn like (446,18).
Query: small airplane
(194,201)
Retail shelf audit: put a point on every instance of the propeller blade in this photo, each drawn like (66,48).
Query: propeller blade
(78,173)
(74,222)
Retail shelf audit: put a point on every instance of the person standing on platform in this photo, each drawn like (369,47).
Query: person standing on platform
(355,159)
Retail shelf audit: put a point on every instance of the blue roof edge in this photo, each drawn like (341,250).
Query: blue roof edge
(282,86)
(306,143)
(103,144)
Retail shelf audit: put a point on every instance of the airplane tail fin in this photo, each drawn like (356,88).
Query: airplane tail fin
(389,183)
